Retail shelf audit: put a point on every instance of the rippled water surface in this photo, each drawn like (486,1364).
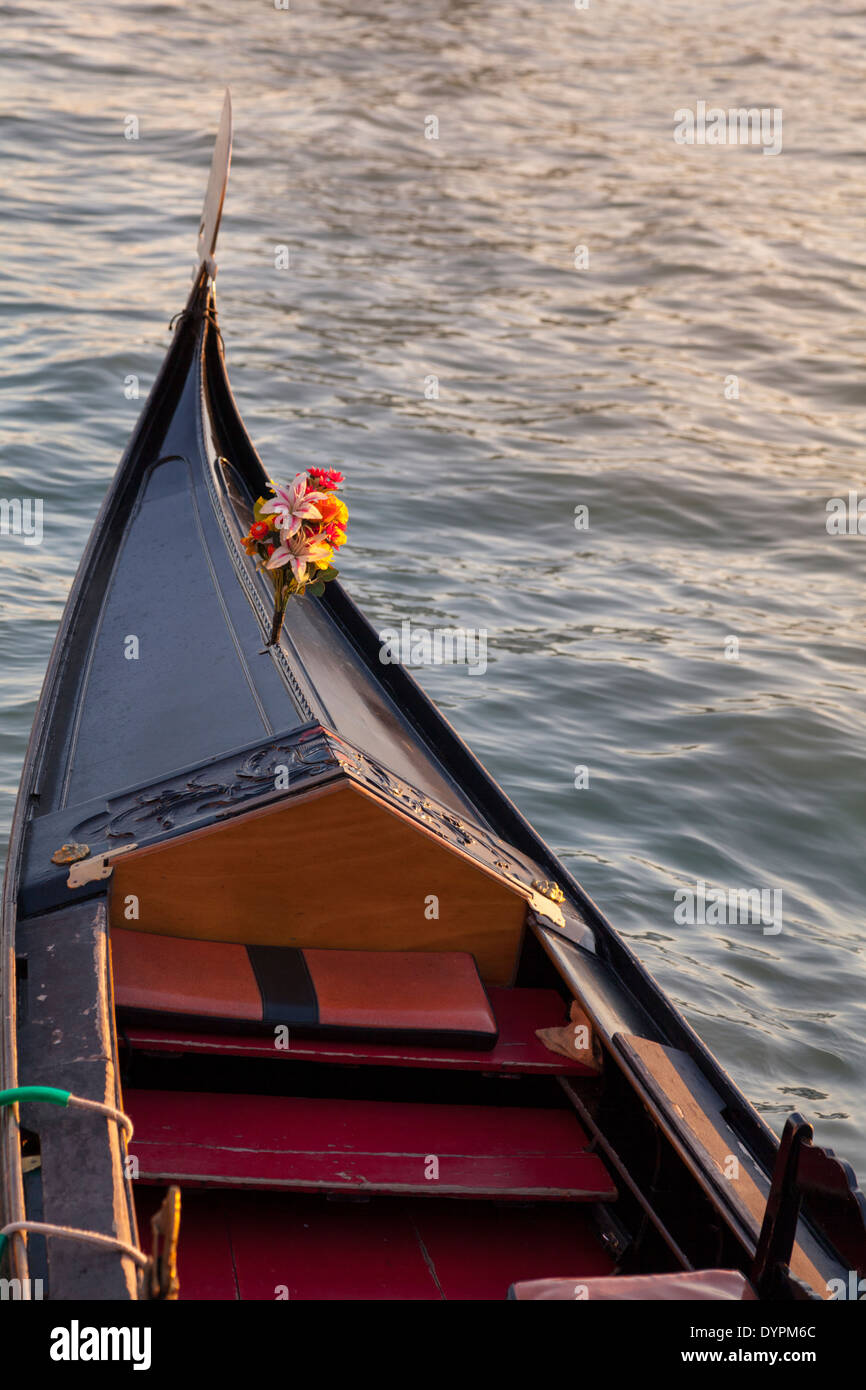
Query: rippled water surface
(602,386)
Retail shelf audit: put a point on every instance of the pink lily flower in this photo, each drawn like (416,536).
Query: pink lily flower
(292,506)
(302,553)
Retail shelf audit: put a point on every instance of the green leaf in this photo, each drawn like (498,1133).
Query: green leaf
(318,588)
(328,574)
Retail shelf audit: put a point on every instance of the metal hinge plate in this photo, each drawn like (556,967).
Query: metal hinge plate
(96,867)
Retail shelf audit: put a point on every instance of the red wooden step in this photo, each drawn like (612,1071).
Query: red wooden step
(518,1012)
(329,1145)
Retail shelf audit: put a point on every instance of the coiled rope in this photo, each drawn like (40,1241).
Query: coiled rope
(52,1095)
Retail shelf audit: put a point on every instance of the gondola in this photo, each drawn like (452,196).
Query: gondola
(296,1003)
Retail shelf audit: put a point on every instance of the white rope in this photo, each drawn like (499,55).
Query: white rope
(123,1120)
(45,1228)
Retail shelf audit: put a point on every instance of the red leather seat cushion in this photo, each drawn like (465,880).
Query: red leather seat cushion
(175,976)
(695,1285)
(431,997)
(385,989)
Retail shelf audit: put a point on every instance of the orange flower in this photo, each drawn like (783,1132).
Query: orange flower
(333,510)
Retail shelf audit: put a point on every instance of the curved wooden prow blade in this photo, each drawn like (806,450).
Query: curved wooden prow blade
(216,187)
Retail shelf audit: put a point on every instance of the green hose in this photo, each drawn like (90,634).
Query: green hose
(21,1094)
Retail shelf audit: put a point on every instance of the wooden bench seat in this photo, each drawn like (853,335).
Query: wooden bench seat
(519,1012)
(324,1145)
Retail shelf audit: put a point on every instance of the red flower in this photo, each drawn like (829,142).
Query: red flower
(259,530)
(324,478)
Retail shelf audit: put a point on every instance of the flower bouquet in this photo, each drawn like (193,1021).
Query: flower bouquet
(295,535)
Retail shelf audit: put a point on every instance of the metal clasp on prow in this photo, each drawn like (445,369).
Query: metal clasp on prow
(96,867)
(545,897)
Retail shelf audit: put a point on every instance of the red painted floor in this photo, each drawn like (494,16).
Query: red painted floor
(268,1245)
